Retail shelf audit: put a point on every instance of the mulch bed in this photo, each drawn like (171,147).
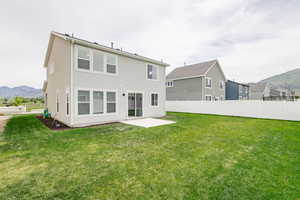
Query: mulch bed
(57,125)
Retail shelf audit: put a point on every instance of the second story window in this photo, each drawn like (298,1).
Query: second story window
(83,58)
(208,82)
(98,61)
(169,84)
(111,64)
(222,85)
(151,72)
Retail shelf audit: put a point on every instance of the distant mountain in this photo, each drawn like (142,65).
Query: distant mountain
(288,79)
(22,91)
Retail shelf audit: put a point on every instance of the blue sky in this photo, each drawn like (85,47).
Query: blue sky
(252,39)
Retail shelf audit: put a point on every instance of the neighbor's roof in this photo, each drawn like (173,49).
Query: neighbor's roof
(244,84)
(96,46)
(192,71)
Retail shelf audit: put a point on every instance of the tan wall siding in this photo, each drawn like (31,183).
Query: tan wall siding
(59,81)
(132,76)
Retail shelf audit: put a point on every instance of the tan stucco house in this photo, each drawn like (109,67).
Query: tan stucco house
(89,84)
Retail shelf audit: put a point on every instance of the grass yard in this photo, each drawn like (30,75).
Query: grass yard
(199,157)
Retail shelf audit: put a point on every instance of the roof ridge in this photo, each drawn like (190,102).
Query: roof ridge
(215,60)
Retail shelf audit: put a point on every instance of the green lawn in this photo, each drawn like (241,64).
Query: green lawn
(199,157)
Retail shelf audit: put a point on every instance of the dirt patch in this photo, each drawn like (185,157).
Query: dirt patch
(3,121)
(53,124)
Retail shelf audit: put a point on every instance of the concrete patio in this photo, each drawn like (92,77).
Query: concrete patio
(148,122)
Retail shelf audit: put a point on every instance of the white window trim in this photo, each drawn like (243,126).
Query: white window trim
(223,85)
(157,99)
(76,105)
(114,113)
(208,96)
(104,62)
(157,70)
(91,70)
(76,59)
(104,107)
(117,64)
(91,90)
(171,85)
(208,78)
(143,102)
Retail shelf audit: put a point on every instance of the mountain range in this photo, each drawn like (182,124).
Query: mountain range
(22,91)
(290,79)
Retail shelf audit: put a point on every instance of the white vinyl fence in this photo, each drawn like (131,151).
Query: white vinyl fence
(283,110)
(13,109)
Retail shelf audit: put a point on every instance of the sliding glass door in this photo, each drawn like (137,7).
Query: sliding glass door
(135,104)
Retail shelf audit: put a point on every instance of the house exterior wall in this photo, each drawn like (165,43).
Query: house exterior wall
(185,89)
(58,78)
(256,95)
(243,92)
(236,91)
(131,77)
(216,76)
(232,91)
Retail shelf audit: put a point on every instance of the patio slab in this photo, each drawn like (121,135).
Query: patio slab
(148,122)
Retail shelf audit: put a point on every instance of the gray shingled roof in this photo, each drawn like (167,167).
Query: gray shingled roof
(189,71)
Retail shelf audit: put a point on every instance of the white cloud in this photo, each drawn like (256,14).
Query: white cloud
(252,39)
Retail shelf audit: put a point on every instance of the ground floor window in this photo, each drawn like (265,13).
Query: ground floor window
(98,102)
(208,98)
(83,102)
(111,104)
(68,104)
(154,99)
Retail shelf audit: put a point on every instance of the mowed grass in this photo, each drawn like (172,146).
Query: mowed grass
(199,157)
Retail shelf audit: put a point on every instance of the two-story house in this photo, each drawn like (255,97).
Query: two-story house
(237,91)
(88,83)
(260,91)
(202,81)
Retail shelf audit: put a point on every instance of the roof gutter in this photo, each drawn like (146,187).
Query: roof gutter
(110,50)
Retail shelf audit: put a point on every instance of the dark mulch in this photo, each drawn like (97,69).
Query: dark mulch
(57,125)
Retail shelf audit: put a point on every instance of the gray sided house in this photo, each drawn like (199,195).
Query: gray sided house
(259,91)
(236,91)
(88,83)
(202,81)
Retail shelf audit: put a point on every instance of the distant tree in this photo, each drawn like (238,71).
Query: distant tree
(17,101)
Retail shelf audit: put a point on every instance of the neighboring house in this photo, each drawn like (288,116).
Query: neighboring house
(236,91)
(202,81)
(88,83)
(259,91)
